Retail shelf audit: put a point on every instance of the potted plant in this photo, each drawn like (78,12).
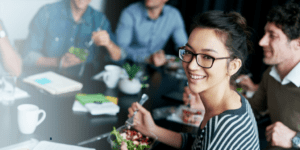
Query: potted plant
(130,85)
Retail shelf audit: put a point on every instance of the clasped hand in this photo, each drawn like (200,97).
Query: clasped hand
(69,60)
(101,38)
(280,135)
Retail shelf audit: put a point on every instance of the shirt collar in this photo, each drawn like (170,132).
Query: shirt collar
(292,76)
(67,14)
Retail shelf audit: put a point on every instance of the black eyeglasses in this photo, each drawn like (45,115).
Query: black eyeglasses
(203,60)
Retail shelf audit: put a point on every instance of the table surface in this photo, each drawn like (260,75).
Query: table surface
(66,126)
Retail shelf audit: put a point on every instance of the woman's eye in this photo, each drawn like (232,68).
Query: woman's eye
(207,57)
(187,52)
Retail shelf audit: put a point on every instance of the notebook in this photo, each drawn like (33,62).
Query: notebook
(53,83)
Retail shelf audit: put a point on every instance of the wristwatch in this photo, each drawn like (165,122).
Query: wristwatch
(2,34)
(296,141)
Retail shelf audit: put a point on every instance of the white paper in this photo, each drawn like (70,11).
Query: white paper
(77,106)
(45,145)
(27,145)
(97,109)
(20,94)
(106,108)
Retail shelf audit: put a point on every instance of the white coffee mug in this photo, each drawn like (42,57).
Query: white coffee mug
(111,75)
(28,118)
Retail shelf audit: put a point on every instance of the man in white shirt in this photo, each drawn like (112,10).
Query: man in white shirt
(279,90)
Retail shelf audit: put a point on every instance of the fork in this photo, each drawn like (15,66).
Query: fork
(129,121)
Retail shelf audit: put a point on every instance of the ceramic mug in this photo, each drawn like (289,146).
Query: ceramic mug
(111,75)
(28,118)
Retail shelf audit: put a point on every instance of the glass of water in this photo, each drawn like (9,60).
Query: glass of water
(7,88)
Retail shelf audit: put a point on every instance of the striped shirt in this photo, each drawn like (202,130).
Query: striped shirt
(232,129)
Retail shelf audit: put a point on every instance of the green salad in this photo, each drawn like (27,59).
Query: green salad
(130,145)
(78,52)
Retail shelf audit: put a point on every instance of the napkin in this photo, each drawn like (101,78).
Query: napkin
(85,103)
(19,94)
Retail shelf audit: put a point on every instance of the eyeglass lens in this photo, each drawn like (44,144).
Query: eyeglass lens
(202,60)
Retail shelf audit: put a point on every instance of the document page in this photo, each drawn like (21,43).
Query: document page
(45,145)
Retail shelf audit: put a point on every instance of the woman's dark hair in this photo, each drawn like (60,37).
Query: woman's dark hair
(231,28)
(287,18)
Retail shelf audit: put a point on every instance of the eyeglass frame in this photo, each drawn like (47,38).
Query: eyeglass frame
(193,54)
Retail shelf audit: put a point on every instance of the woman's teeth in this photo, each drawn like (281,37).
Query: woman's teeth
(197,77)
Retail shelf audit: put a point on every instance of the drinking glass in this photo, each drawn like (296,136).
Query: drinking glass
(7,88)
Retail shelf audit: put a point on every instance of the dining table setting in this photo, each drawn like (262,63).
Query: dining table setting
(85,117)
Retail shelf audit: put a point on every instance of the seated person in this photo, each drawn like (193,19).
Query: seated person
(279,90)
(215,52)
(11,61)
(145,27)
(59,26)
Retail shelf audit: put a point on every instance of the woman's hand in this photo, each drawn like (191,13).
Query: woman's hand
(195,101)
(142,121)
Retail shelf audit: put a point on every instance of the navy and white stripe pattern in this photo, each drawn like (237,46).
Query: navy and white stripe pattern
(231,130)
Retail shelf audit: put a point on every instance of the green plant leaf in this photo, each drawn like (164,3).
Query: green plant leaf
(131,71)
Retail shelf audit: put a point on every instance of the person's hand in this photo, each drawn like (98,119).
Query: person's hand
(195,101)
(247,84)
(280,135)
(69,60)
(142,120)
(159,58)
(101,38)
(124,146)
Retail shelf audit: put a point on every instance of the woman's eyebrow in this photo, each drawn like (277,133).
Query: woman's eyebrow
(188,45)
(206,49)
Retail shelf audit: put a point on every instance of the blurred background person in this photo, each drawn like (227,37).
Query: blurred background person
(279,90)
(11,61)
(145,27)
(59,26)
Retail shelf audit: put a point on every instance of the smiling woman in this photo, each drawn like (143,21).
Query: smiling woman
(215,52)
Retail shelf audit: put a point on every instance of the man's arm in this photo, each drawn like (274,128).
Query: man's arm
(124,33)
(11,59)
(34,43)
(115,52)
(179,36)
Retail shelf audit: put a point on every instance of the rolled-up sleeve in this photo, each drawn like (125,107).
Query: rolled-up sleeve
(37,33)
(187,140)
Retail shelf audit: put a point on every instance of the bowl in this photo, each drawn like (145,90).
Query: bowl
(120,129)
(171,63)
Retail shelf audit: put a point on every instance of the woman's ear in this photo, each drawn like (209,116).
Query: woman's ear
(234,66)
